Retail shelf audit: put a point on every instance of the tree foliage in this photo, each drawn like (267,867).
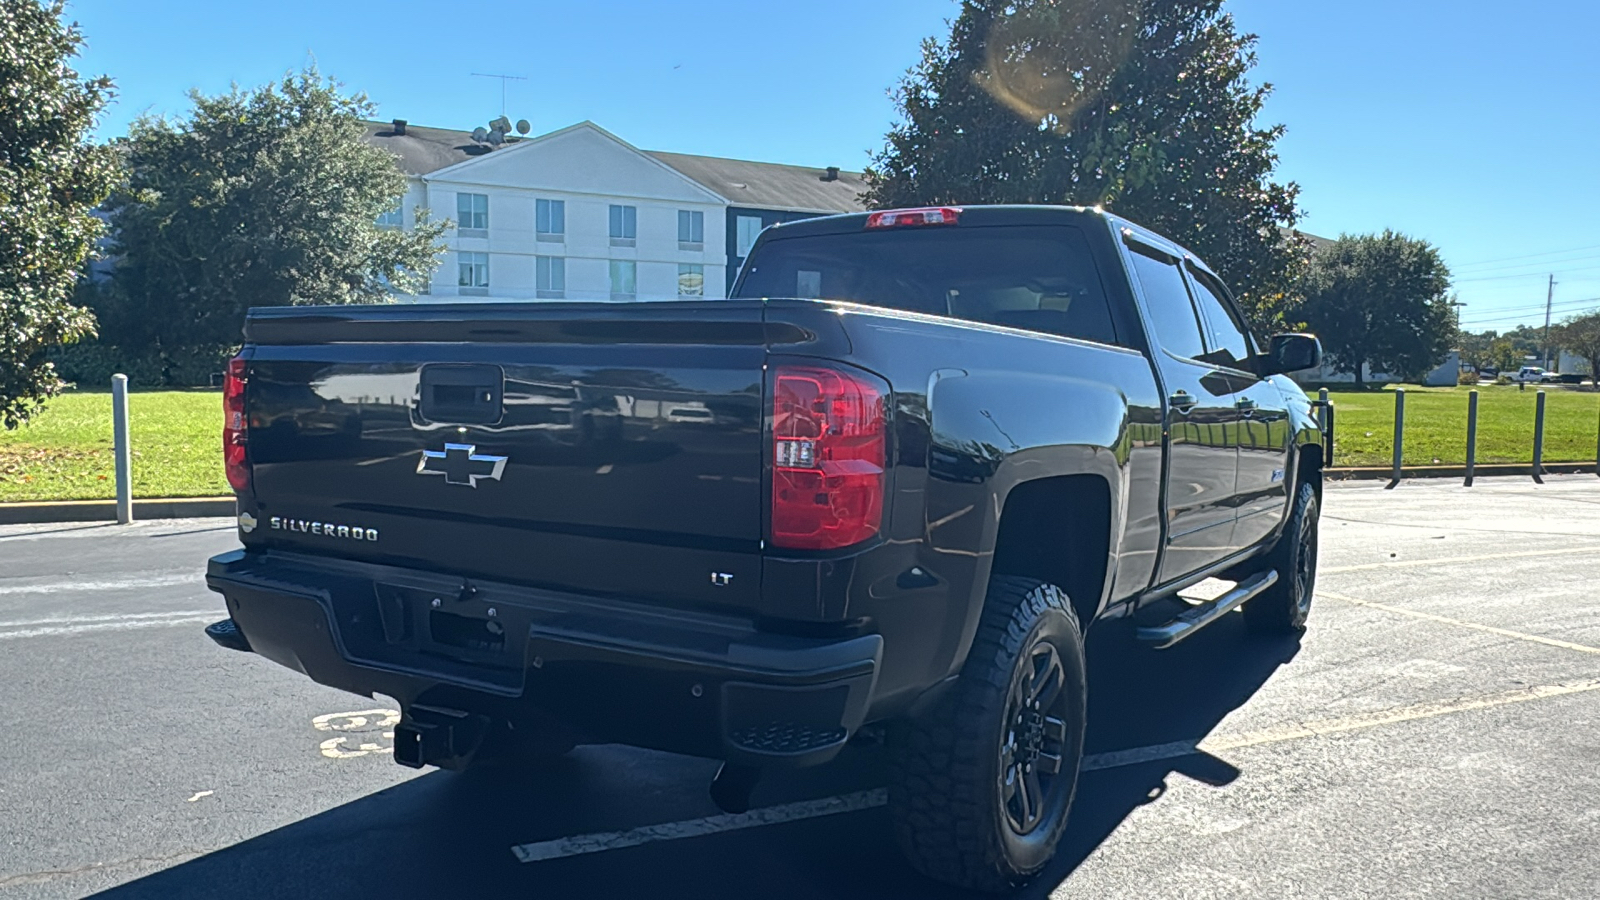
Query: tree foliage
(51,179)
(1580,335)
(1380,300)
(1138,106)
(266,197)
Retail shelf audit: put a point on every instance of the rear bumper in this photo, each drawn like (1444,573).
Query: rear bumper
(686,682)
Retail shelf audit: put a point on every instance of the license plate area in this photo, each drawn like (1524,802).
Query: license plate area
(442,629)
(486,635)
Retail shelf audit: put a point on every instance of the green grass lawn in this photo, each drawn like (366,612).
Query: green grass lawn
(65,454)
(177,438)
(1436,425)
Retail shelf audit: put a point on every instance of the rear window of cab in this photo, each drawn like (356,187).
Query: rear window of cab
(1038,278)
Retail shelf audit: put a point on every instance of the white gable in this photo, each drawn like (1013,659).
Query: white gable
(581,159)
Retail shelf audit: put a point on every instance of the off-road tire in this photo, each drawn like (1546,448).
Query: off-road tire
(951,808)
(1283,608)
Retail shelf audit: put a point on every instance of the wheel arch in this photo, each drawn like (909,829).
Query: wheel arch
(1060,530)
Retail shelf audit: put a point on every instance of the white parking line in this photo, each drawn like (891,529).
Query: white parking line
(1453,560)
(1459,623)
(672,831)
(582,844)
(47,628)
(121,584)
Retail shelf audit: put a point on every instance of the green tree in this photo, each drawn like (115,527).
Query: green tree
(1580,335)
(256,198)
(1380,300)
(1504,356)
(1476,348)
(51,179)
(1141,107)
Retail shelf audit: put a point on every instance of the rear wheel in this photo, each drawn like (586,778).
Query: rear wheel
(980,786)
(1284,607)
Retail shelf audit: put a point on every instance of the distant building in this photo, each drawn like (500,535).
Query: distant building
(581,214)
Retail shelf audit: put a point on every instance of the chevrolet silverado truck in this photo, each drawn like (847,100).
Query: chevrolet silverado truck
(884,489)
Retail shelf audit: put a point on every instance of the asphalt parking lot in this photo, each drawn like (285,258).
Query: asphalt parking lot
(1435,734)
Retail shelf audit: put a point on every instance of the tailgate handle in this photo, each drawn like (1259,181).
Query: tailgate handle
(461,394)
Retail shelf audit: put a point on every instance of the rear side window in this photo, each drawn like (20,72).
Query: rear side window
(1038,277)
(1166,300)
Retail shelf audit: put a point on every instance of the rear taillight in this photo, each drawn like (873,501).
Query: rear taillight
(235,426)
(902,218)
(828,457)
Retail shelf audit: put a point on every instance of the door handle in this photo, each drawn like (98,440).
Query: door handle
(1182,401)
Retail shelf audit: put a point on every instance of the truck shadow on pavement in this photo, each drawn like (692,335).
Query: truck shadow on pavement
(450,835)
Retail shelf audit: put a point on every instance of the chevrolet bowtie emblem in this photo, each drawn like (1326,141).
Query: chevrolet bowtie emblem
(461,464)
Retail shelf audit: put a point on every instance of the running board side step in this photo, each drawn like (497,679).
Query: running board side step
(1163,636)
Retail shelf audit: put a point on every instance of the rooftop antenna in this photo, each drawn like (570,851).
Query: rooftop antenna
(503,80)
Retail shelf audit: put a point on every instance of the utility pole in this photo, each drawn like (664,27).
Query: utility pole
(1549,296)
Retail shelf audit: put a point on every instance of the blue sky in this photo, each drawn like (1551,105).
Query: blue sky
(1472,124)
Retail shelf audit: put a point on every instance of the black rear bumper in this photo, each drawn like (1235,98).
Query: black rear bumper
(685,682)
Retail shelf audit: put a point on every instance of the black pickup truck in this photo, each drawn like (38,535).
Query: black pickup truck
(884,490)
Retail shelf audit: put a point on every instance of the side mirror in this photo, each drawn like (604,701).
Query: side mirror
(1291,353)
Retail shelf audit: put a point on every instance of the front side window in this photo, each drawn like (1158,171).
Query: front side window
(624,279)
(745,230)
(473,270)
(691,227)
(1166,301)
(550,218)
(691,280)
(551,276)
(472,212)
(1226,344)
(1039,278)
(624,222)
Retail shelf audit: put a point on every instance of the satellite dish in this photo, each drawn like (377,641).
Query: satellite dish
(502,125)
(497,137)
(480,134)
(523,127)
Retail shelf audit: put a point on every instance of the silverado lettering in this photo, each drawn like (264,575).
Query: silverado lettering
(325,529)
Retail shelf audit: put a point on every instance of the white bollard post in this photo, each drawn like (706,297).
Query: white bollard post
(119,433)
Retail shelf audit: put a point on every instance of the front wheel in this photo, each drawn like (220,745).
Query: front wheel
(1284,607)
(980,786)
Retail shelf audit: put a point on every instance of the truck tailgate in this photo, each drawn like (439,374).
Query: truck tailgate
(602,448)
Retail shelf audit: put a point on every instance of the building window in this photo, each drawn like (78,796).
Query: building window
(691,230)
(550,219)
(472,214)
(624,225)
(551,272)
(691,280)
(393,218)
(473,273)
(745,230)
(624,278)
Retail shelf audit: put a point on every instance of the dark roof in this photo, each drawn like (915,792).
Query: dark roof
(771,185)
(1318,242)
(422,150)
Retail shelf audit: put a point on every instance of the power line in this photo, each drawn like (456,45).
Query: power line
(1536,265)
(1533,307)
(1524,275)
(1482,262)
(1520,317)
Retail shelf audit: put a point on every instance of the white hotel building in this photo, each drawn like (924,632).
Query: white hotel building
(580,214)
